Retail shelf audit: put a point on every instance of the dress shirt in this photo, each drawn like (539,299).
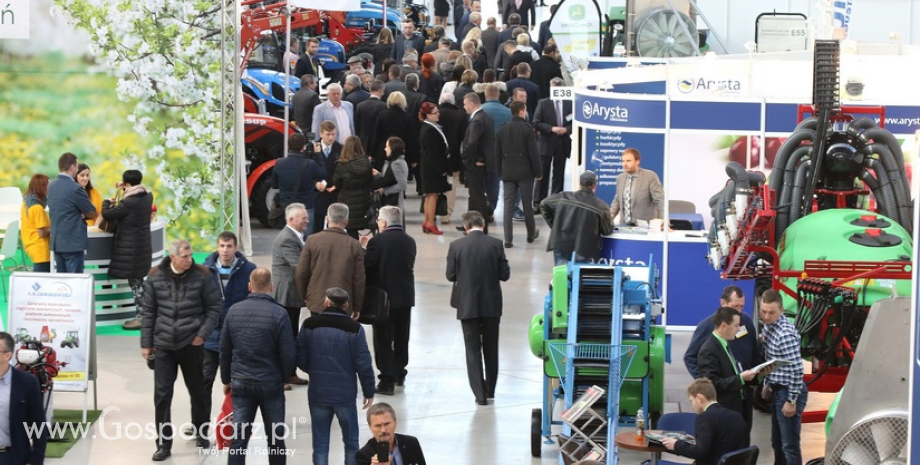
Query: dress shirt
(5,407)
(296,233)
(341,123)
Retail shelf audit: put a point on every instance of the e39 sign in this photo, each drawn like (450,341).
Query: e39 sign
(14,19)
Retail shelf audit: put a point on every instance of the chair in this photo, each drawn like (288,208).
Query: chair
(677,421)
(681,206)
(8,251)
(746,456)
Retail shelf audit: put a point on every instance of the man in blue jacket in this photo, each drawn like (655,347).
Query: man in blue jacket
(230,271)
(332,349)
(258,354)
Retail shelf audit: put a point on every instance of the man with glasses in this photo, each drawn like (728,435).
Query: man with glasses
(21,410)
(182,305)
(390,265)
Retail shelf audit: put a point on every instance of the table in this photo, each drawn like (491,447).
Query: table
(628,440)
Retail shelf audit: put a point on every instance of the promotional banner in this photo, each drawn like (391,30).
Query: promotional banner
(576,29)
(56,310)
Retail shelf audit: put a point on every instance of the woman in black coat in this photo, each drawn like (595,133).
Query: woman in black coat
(394,122)
(434,159)
(353,179)
(131,249)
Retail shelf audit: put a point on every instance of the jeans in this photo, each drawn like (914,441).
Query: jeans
(269,398)
(787,432)
(165,370)
(210,366)
(321,422)
(68,262)
(561,258)
(43,267)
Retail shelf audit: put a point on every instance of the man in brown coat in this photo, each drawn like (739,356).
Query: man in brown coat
(331,258)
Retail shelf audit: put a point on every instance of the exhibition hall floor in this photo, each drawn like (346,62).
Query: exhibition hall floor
(436,404)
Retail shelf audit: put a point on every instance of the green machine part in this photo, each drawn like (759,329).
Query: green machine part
(649,359)
(848,235)
(831,413)
(560,292)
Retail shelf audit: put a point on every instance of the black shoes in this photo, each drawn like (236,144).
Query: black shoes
(385,390)
(482,402)
(202,443)
(459,228)
(401,381)
(508,244)
(536,234)
(161,455)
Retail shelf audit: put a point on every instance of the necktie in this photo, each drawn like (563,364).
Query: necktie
(559,113)
(627,204)
(326,151)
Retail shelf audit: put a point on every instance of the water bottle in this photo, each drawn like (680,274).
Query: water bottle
(640,425)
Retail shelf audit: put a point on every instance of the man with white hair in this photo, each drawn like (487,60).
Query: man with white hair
(475,22)
(334,109)
(355,93)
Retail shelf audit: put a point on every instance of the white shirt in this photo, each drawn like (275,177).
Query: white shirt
(341,122)
(296,233)
(5,384)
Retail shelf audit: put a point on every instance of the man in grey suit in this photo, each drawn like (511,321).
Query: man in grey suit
(639,192)
(285,253)
(476,264)
(334,109)
(305,101)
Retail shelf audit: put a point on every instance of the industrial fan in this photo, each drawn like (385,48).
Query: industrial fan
(665,33)
(879,439)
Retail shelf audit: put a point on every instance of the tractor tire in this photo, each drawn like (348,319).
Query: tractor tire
(536,432)
(261,200)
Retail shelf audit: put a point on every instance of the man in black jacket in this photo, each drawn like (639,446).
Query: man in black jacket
(526,11)
(326,149)
(718,429)
(553,120)
(545,69)
(298,176)
(718,364)
(258,355)
(389,263)
(478,153)
(453,121)
(476,264)
(366,114)
(519,165)
(181,307)
(578,220)
(382,419)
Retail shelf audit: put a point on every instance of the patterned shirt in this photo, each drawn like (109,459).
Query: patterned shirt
(781,341)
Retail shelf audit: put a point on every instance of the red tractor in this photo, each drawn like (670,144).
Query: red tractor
(264,145)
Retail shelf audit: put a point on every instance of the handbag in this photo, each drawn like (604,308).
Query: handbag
(376,308)
(440,208)
(110,225)
(371,214)
(276,218)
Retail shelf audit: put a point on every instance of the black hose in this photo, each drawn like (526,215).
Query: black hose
(737,173)
(785,150)
(861,124)
(784,195)
(888,204)
(802,176)
(756,178)
(883,203)
(883,137)
(810,123)
(898,183)
(728,195)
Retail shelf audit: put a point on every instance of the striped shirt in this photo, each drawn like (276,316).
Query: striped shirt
(781,341)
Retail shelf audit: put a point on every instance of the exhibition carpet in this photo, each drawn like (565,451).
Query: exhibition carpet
(68,421)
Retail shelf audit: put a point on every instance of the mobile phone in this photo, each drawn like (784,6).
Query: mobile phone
(383,451)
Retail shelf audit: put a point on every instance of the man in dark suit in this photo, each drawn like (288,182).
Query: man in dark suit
(476,264)
(299,175)
(523,81)
(309,63)
(390,264)
(395,84)
(23,398)
(523,8)
(454,122)
(718,429)
(519,164)
(327,150)
(545,34)
(474,23)
(304,101)
(478,152)
(490,40)
(555,130)
(382,420)
(718,364)
(355,94)
(544,70)
(509,24)
(409,39)
(366,114)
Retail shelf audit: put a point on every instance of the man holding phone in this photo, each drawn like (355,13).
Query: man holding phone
(387,446)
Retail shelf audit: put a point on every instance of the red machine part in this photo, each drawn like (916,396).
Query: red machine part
(261,18)
(257,127)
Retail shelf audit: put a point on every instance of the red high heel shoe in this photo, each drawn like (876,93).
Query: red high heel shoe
(431,229)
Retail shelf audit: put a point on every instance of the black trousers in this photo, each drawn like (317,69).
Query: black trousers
(480,336)
(210,365)
(190,359)
(476,183)
(525,187)
(542,188)
(294,315)
(391,346)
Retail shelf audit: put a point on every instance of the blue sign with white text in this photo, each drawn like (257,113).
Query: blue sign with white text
(620,112)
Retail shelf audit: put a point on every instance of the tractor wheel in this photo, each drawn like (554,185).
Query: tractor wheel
(536,432)
(261,200)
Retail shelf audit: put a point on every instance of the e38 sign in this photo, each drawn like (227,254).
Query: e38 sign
(14,19)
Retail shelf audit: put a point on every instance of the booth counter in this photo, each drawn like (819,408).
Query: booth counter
(690,287)
(114,298)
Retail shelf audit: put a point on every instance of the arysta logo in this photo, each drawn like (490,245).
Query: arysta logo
(608,113)
(688,85)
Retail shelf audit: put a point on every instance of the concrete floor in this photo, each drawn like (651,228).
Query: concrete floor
(436,404)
